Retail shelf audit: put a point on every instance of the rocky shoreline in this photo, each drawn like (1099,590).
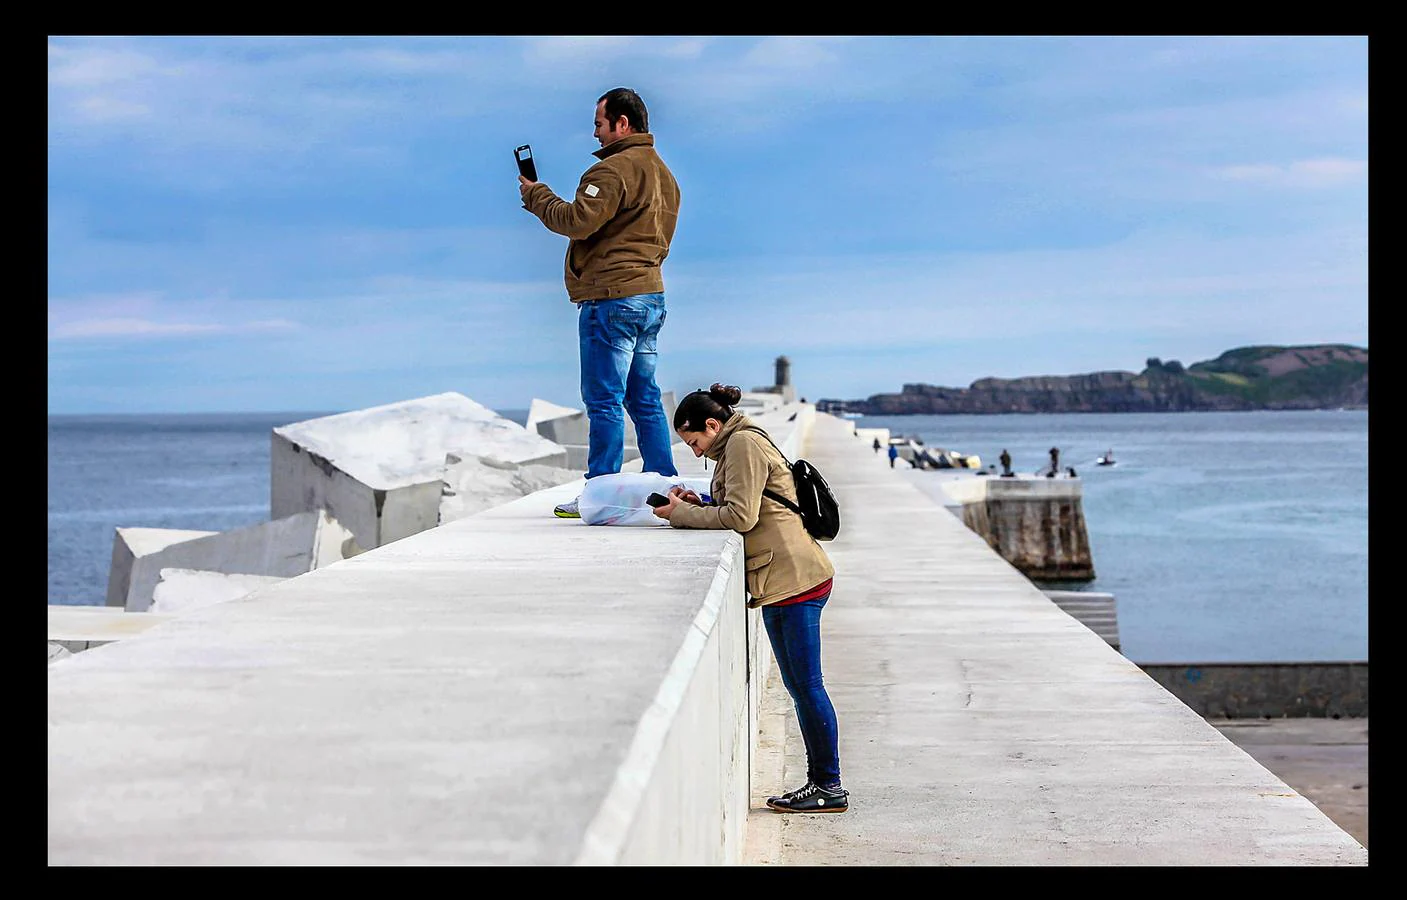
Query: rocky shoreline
(1330,376)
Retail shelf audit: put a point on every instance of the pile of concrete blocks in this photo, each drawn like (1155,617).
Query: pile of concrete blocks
(571,429)
(283,547)
(339,485)
(381,471)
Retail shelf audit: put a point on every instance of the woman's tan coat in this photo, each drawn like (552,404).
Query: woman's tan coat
(783,560)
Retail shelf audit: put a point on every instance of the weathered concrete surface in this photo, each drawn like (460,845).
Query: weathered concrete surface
(379,470)
(1036,524)
(980,725)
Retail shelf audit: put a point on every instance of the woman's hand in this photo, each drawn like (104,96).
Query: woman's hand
(686,495)
(664,512)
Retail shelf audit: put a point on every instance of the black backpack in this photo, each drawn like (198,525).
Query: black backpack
(816,505)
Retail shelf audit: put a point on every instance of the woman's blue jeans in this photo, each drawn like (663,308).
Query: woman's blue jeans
(795,633)
(618,357)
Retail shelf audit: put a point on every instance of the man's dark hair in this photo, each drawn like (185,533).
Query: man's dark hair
(622,101)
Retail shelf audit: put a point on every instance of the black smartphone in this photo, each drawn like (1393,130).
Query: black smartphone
(524,155)
(657,500)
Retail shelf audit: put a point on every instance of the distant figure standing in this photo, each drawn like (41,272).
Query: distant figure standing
(876,445)
(1006,463)
(893,454)
(1054,462)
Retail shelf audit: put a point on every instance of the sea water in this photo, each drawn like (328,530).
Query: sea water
(1223,536)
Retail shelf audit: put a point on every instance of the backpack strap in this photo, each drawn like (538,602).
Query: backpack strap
(768,492)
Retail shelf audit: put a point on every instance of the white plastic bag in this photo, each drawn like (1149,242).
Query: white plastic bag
(619,499)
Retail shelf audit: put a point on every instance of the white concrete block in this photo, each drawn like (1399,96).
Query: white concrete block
(284,547)
(472,484)
(571,429)
(379,471)
(130,543)
(182,590)
(542,410)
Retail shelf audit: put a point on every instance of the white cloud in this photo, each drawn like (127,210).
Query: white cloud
(97,65)
(100,108)
(1308,173)
(145,328)
(792,52)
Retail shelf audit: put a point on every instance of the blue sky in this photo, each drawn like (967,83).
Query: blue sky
(331,223)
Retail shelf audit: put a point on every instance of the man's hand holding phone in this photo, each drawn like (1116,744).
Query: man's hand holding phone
(527,169)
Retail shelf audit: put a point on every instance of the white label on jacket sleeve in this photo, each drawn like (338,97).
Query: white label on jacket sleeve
(592,190)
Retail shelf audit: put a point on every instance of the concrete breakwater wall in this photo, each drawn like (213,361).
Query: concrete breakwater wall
(1036,524)
(1267,690)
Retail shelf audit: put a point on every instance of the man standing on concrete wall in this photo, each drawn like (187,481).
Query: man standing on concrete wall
(619,225)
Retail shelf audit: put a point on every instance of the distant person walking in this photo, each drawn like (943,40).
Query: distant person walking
(876,445)
(893,454)
(619,224)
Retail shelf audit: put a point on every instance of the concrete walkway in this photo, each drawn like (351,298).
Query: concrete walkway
(980,725)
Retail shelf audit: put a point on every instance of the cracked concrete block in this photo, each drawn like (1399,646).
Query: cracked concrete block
(284,547)
(379,471)
(130,543)
(475,483)
(182,590)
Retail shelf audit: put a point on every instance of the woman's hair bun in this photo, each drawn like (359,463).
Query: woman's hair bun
(726,394)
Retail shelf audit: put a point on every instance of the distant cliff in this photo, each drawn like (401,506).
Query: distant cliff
(1319,376)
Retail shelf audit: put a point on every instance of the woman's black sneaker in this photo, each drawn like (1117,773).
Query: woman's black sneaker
(811,798)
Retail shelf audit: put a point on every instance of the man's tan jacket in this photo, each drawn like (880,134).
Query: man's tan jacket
(783,560)
(620,222)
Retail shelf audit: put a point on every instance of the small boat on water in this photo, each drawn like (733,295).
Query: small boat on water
(1107,459)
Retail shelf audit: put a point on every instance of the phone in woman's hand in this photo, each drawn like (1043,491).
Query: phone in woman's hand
(657,500)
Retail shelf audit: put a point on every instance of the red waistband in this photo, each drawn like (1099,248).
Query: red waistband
(819,590)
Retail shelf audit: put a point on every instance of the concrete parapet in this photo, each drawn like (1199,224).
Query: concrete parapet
(284,547)
(379,471)
(1267,690)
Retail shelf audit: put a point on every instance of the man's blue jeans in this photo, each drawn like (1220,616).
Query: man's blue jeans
(618,359)
(795,633)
